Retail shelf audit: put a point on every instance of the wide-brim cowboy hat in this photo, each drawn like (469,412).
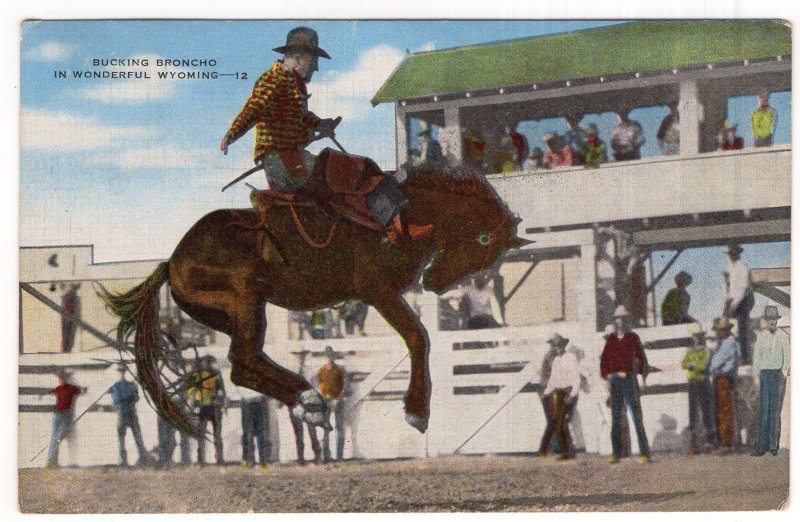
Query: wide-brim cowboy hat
(771,312)
(685,276)
(548,136)
(302,39)
(557,340)
(729,126)
(721,323)
(621,311)
(734,249)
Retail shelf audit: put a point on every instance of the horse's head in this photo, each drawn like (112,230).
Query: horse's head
(476,230)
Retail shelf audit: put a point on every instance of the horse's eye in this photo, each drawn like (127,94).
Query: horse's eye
(484,239)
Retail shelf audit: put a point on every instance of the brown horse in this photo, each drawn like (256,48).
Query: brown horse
(218,278)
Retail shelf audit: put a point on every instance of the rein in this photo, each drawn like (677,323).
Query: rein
(308,239)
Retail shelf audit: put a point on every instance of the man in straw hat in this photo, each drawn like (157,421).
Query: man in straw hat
(675,307)
(593,152)
(722,368)
(558,346)
(563,387)
(622,359)
(740,300)
(770,368)
(207,391)
(125,395)
(695,362)
(278,109)
(63,414)
(727,138)
(762,120)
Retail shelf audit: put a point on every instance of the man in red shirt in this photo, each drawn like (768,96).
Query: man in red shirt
(622,359)
(62,416)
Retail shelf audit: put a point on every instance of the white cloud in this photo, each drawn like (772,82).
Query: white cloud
(137,90)
(50,52)
(64,131)
(348,94)
(161,157)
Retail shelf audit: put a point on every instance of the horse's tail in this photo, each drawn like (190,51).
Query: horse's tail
(137,310)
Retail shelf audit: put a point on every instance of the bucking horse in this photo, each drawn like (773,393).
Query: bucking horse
(219,277)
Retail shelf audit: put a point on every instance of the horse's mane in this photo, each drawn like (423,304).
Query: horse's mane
(463,183)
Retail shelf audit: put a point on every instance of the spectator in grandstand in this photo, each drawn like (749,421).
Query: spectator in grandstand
(63,415)
(354,314)
(762,121)
(563,387)
(331,381)
(622,359)
(668,135)
(254,422)
(593,152)
(771,354)
(558,345)
(297,420)
(474,150)
(727,138)
(558,154)
(675,307)
(481,303)
(695,362)
(575,137)
(722,367)
(429,153)
(627,138)
(519,143)
(125,395)
(534,161)
(207,391)
(740,300)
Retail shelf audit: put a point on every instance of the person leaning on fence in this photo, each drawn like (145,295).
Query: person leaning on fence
(727,138)
(762,121)
(558,346)
(722,368)
(622,359)
(593,152)
(206,390)
(125,395)
(695,362)
(740,299)
(771,354)
(675,307)
(563,387)
(627,138)
(63,415)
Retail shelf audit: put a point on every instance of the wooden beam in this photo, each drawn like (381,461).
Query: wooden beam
(774,293)
(663,271)
(522,280)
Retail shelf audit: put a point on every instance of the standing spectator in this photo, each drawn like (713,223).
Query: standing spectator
(125,395)
(534,161)
(481,302)
(763,121)
(575,137)
(668,135)
(740,300)
(695,362)
(722,369)
(62,416)
(318,323)
(675,307)
(429,153)
(303,322)
(354,314)
(519,142)
(474,150)
(558,345)
(558,154)
(166,443)
(207,391)
(593,152)
(770,368)
(622,359)
(627,138)
(254,421)
(71,306)
(563,387)
(297,420)
(624,429)
(331,379)
(727,139)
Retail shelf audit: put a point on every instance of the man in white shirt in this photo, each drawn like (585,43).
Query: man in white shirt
(740,300)
(254,420)
(563,387)
(770,368)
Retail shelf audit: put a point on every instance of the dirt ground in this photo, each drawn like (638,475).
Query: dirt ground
(518,483)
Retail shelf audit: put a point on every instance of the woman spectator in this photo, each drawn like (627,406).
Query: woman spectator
(557,155)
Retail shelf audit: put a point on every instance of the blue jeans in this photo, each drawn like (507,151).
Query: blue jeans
(700,407)
(128,419)
(624,391)
(253,426)
(337,407)
(62,422)
(166,443)
(769,411)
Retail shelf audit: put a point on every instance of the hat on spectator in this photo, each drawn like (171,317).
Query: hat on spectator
(729,126)
(557,340)
(721,323)
(696,330)
(621,311)
(591,129)
(548,136)
(734,249)
(684,276)
(771,312)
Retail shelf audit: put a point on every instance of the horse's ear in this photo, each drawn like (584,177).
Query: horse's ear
(518,242)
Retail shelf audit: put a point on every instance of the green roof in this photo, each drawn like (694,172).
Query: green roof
(624,48)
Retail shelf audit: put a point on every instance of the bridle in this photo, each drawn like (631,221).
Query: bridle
(485,239)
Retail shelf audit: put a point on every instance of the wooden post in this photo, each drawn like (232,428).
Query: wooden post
(691,116)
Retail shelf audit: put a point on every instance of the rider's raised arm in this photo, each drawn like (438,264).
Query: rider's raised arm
(264,94)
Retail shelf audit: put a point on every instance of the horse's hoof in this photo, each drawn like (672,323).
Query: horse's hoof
(420,423)
(312,401)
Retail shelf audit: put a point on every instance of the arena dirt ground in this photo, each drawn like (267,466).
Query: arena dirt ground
(519,483)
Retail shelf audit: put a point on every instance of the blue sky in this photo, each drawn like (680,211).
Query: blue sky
(130,165)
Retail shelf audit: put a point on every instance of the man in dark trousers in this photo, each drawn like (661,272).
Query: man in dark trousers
(125,395)
(622,359)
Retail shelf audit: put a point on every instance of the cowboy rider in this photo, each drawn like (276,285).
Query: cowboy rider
(278,108)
